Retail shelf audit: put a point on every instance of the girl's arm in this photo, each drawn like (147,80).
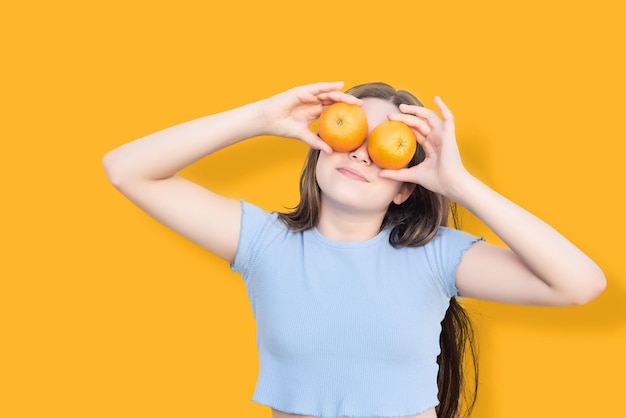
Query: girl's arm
(145,170)
(539,267)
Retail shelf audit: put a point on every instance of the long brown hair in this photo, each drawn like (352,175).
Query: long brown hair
(413,223)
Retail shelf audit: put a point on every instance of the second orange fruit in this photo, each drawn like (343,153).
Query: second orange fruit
(392,145)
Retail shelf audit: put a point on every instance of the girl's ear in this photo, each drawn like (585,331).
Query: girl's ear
(405,191)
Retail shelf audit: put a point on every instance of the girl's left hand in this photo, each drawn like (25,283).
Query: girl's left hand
(442,168)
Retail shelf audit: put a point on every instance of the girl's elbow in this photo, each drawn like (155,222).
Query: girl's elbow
(595,284)
(113,169)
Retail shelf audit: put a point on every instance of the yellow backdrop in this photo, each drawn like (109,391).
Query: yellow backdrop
(105,313)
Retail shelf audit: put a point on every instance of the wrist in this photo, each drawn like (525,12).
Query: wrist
(463,187)
(254,119)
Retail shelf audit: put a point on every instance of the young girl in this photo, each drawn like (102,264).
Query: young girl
(354,291)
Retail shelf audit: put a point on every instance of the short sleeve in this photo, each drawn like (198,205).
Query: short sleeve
(258,229)
(444,253)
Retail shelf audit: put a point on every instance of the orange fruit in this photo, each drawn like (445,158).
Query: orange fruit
(391,145)
(343,126)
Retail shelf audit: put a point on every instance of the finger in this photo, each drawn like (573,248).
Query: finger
(316,142)
(339,96)
(430,116)
(446,113)
(404,175)
(412,121)
(322,146)
(311,93)
(325,87)
(427,146)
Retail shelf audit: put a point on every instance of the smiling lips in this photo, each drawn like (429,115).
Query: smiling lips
(353,174)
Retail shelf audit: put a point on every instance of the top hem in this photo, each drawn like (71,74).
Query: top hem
(308,414)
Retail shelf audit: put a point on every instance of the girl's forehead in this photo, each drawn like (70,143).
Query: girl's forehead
(377,110)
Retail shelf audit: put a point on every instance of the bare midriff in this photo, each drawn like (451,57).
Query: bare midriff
(278,414)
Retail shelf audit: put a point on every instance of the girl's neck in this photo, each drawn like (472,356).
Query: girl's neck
(349,227)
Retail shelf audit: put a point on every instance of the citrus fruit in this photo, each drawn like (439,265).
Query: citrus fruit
(391,145)
(343,126)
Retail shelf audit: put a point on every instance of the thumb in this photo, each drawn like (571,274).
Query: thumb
(404,175)
(315,142)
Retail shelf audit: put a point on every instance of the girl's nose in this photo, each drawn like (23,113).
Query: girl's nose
(361,155)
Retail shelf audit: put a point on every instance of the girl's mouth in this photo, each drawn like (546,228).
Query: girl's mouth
(352,174)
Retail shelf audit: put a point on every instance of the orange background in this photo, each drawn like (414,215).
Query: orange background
(105,313)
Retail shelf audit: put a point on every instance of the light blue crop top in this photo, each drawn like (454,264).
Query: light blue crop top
(346,328)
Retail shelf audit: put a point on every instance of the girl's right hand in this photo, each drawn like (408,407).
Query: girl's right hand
(290,114)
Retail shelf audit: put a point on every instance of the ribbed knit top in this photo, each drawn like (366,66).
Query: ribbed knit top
(346,328)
